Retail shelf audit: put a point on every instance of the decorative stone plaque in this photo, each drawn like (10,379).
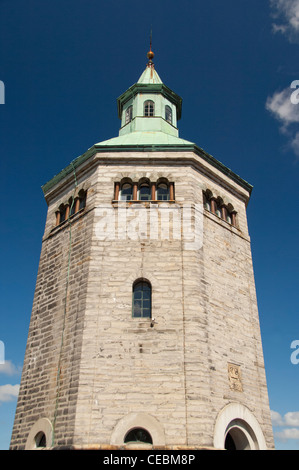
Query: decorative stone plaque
(234,377)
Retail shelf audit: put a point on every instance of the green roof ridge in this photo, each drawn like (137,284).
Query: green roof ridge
(98,148)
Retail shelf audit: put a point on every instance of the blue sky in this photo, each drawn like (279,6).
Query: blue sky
(64,63)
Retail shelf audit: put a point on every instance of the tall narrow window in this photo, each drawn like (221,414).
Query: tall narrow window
(62,210)
(149,108)
(142,293)
(162,192)
(206,201)
(126,192)
(129,114)
(72,206)
(168,114)
(144,192)
(82,199)
(219,203)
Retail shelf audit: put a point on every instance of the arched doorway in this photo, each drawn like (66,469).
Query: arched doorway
(236,428)
(236,440)
(229,443)
(240,436)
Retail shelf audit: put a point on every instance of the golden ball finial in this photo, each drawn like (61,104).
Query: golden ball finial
(150,55)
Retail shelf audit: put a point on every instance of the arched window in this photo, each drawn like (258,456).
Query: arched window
(126,192)
(62,212)
(72,205)
(77,204)
(40,435)
(144,192)
(40,440)
(82,199)
(219,204)
(162,192)
(168,114)
(209,201)
(149,108)
(138,435)
(142,299)
(206,202)
(129,114)
(228,218)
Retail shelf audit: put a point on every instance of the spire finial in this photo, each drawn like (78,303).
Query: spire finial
(150,54)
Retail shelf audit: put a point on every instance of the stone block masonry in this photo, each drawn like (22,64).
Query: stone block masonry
(93,370)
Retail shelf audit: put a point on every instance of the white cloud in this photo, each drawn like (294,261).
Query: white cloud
(8,392)
(289,419)
(9,368)
(284,107)
(292,418)
(279,28)
(281,106)
(276,418)
(286,14)
(288,433)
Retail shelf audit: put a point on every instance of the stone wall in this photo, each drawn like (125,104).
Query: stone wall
(175,372)
(51,366)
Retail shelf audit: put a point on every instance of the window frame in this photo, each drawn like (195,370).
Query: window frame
(149,108)
(40,440)
(71,208)
(149,439)
(167,194)
(144,185)
(82,200)
(62,210)
(129,114)
(216,206)
(146,284)
(168,114)
(121,192)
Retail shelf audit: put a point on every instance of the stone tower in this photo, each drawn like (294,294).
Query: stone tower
(144,330)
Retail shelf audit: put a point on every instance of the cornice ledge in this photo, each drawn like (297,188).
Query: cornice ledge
(98,148)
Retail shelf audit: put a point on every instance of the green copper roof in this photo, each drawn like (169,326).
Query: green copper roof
(118,145)
(150,76)
(147,136)
(149,83)
(144,138)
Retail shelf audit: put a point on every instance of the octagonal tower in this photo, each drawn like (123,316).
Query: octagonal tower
(145,329)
